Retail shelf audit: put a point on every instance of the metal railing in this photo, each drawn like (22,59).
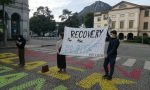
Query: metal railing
(44,38)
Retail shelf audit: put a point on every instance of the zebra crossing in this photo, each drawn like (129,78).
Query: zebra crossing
(130,62)
(147,65)
(44,50)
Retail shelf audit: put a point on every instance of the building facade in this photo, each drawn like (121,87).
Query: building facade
(144,28)
(16,19)
(129,20)
(100,19)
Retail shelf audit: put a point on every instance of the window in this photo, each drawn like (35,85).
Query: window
(113,16)
(145,25)
(98,26)
(105,17)
(105,24)
(99,19)
(113,24)
(131,24)
(131,14)
(122,15)
(121,24)
(146,13)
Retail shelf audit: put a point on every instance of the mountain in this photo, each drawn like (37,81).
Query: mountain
(98,6)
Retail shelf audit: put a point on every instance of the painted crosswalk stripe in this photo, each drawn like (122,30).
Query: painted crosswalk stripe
(43,49)
(71,56)
(147,65)
(118,58)
(82,57)
(129,62)
(48,51)
(52,53)
(39,48)
(97,58)
(35,49)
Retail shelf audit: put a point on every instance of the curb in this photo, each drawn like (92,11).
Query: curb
(135,44)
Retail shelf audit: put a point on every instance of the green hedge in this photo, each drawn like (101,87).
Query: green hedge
(138,39)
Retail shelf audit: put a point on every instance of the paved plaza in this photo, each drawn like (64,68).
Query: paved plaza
(132,70)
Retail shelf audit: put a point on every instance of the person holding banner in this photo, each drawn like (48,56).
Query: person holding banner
(20,43)
(111,55)
(61,59)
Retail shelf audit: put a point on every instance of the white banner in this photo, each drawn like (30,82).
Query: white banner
(84,42)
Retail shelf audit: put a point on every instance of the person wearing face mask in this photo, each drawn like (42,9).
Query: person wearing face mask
(20,43)
(111,55)
(61,59)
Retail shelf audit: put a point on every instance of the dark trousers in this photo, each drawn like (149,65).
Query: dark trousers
(21,56)
(109,60)
(61,61)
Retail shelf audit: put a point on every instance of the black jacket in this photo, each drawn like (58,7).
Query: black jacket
(22,41)
(112,47)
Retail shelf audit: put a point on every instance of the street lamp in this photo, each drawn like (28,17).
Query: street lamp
(57,25)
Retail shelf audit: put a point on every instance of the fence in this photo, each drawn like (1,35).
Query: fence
(45,38)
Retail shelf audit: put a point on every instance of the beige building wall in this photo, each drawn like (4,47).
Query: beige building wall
(142,20)
(99,20)
(126,11)
(126,15)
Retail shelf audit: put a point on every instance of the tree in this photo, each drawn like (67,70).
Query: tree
(44,11)
(73,21)
(3,3)
(42,21)
(69,19)
(34,25)
(65,14)
(88,20)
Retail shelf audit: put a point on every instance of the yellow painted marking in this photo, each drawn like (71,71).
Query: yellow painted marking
(8,60)
(53,72)
(96,78)
(74,68)
(32,65)
(6,55)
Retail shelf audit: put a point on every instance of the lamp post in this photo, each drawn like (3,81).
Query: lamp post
(57,25)
(142,39)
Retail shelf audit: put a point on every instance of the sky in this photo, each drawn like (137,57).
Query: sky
(56,6)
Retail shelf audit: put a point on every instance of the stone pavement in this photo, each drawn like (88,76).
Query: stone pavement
(83,73)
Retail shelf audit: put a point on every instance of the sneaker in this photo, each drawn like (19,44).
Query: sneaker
(60,70)
(64,70)
(109,78)
(105,77)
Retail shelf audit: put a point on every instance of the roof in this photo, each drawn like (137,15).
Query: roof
(140,6)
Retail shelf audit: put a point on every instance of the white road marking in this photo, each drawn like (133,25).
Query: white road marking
(118,58)
(147,65)
(97,58)
(129,62)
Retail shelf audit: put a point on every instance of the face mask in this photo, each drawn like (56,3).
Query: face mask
(111,36)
